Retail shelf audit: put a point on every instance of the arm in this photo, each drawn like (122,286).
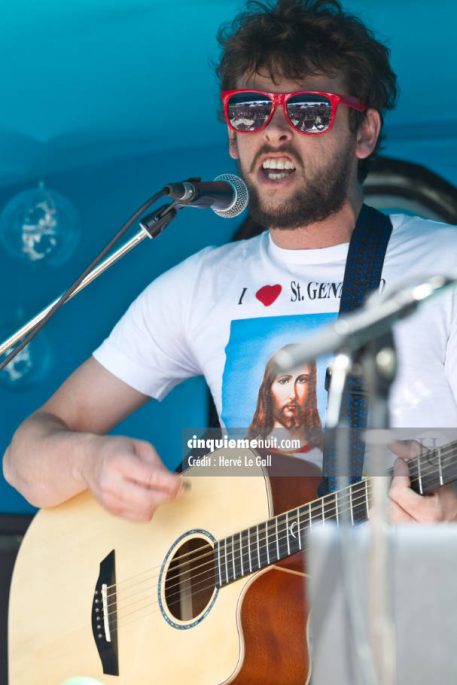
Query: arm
(61,449)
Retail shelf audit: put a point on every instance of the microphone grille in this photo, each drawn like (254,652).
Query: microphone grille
(240,196)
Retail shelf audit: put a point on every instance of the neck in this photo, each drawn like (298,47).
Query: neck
(333,230)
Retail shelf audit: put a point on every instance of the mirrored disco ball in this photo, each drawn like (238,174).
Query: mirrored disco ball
(28,367)
(40,225)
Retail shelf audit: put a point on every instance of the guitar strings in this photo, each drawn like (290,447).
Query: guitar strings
(230,558)
(234,556)
(424,472)
(272,536)
(313,506)
(316,509)
(132,615)
(210,568)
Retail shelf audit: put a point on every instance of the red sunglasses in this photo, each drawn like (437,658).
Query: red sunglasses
(311,112)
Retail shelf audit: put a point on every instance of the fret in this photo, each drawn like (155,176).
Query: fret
(284,546)
(351,506)
(299,530)
(233,557)
(342,506)
(267,543)
(440,467)
(258,548)
(226,564)
(287,536)
(249,550)
(359,502)
(315,510)
(328,507)
(241,554)
(419,475)
(277,539)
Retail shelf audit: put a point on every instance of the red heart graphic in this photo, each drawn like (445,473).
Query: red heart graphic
(268,294)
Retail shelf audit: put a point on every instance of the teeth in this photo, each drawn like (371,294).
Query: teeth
(278,164)
(275,176)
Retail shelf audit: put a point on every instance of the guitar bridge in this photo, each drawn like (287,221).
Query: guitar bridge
(104,616)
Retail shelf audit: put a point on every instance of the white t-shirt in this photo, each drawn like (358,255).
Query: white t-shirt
(225,311)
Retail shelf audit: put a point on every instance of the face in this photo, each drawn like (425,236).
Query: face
(295,179)
(290,394)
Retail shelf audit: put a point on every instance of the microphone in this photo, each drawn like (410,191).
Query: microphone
(227,195)
(371,321)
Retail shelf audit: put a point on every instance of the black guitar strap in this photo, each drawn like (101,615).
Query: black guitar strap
(362,276)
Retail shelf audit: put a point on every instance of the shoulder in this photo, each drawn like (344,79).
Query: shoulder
(414,229)
(422,242)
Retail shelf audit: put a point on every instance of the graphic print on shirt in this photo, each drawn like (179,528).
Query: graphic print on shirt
(259,399)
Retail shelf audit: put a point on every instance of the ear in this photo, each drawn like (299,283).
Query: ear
(368,134)
(233,145)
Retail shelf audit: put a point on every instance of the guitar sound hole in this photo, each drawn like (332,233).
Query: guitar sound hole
(190,579)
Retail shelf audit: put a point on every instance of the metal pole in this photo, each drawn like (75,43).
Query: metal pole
(103,266)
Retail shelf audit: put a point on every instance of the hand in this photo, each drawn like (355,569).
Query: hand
(406,506)
(127,476)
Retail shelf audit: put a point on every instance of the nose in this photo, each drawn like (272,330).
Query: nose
(278,130)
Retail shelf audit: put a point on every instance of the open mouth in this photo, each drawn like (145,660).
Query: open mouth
(277,169)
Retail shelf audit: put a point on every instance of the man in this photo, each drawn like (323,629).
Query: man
(304,88)
(287,408)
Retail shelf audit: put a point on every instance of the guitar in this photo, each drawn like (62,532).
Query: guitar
(211,591)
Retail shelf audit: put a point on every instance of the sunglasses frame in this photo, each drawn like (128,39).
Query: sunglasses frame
(277,99)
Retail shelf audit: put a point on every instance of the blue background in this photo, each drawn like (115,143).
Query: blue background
(105,100)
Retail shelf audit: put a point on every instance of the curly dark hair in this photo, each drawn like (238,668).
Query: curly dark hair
(296,38)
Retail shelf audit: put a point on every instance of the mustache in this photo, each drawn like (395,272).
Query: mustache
(290,406)
(285,149)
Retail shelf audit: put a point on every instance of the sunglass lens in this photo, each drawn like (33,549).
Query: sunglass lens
(310,113)
(248,111)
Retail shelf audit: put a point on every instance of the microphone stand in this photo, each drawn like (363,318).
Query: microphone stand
(151,226)
(375,362)
(379,366)
(227,195)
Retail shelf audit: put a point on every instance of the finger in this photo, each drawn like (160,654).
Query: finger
(400,492)
(399,515)
(420,508)
(152,476)
(401,472)
(406,449)
(167,479)
(134,502)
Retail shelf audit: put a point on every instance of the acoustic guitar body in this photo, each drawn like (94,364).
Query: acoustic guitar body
(93,595)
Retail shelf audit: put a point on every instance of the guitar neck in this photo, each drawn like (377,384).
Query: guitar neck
(283,535)
(434,468)
(267,543)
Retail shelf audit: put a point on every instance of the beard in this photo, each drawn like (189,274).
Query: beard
(290,416)
(324,192)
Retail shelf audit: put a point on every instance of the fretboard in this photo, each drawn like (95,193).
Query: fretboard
(268,542)
(434,469)
(283,535)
